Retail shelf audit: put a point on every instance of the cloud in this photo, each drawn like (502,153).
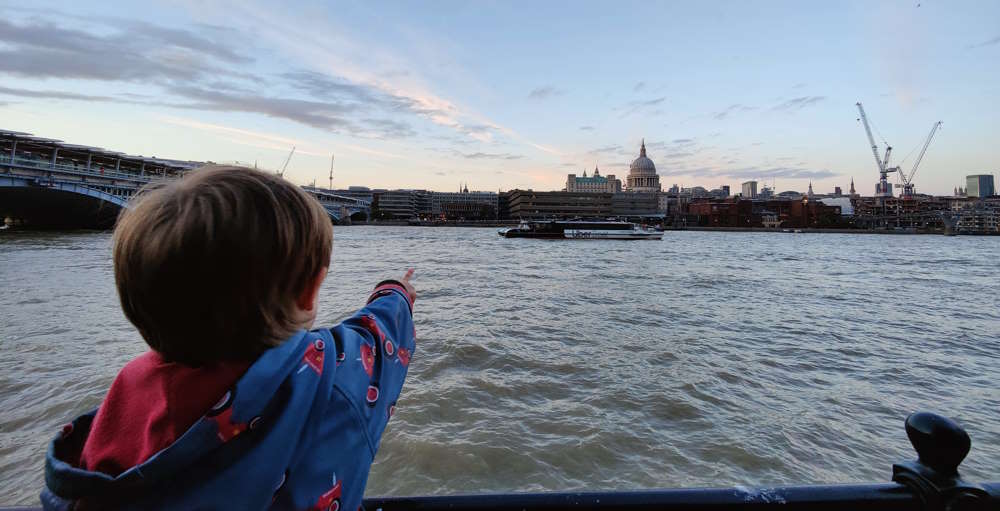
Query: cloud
(267,140)
(545,92)
(132,51)
(731,109)
(752,172)
(25,93)
(322,86)
(213,68)
(490,156)
(634,106)
(386,128)
(199,70)
(988,42)
(325,115)
(798,103)
(586,128)
(606,149)
(480,132)
(650,102)
(682,141)
(679,154)
(639,86)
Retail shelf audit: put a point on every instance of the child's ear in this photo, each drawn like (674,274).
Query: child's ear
(307,299)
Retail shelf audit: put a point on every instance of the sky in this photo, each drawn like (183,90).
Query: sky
(503,95)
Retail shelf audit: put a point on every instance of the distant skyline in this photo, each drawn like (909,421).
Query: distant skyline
(503,95)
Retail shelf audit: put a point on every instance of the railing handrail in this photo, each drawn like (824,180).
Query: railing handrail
(72,169)
(860,497)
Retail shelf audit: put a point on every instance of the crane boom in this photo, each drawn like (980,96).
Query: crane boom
(871,139)
(283,167)
(909,177)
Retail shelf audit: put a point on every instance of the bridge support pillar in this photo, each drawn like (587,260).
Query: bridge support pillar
(13,150)
(55,154)
(89,158)
(118,162)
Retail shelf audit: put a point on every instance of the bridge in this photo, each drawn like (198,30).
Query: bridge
(47,183)
(342,210)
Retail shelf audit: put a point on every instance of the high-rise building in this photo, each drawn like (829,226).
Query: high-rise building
(750,190)
(979,185)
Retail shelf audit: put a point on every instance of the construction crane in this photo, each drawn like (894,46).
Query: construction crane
(907,179)
(883,188)
(281,173)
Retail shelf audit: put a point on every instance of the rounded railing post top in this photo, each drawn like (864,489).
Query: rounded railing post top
(940,442)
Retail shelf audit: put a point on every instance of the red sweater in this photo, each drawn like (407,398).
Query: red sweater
(151,403)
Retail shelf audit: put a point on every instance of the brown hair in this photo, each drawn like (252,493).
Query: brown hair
(208,267)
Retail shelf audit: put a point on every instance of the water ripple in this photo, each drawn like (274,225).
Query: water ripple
(706,359)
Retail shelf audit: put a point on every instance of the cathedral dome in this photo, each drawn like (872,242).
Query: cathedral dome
(642,166)
(642,175)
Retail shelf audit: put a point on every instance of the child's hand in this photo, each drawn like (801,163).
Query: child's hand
(409,287)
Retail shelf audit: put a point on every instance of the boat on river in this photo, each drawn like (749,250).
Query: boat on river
(581,230)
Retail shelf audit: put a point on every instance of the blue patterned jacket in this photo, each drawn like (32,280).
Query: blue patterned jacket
(299,430)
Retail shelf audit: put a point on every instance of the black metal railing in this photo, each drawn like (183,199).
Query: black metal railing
(931,483)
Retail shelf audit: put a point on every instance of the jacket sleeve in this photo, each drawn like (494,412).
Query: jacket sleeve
(373,354)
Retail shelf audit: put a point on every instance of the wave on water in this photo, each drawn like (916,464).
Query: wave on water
(704,359)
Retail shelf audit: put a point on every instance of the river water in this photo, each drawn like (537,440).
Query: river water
(704,359)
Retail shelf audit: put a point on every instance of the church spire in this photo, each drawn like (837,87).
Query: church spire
(642,150)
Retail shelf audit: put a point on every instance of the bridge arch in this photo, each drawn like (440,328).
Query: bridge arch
(43,203)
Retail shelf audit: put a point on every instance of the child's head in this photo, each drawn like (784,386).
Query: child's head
(221,264)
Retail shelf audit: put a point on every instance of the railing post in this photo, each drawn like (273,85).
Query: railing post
(941,445)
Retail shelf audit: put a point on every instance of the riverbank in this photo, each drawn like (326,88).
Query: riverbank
(804,230)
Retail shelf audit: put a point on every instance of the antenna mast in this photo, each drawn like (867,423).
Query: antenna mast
(331,171)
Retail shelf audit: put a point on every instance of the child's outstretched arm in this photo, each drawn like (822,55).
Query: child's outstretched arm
(373,350)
